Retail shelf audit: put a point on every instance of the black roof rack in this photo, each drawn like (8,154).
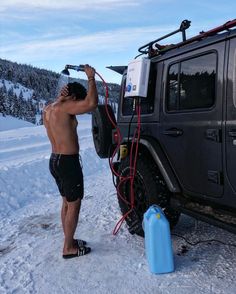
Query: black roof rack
(147,48)
(153,48)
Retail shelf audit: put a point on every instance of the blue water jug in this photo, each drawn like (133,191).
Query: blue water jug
(158,246)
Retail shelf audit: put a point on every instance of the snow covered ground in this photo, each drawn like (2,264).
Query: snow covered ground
(31,234)
(8,122)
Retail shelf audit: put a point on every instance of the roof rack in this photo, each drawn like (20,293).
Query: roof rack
(147,48)
(153,48)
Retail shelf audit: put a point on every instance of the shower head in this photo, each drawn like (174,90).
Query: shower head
(74,67)
(65,71)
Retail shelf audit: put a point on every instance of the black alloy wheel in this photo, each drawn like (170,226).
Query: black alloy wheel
(149,189)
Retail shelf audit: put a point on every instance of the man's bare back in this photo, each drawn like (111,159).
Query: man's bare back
(61,129)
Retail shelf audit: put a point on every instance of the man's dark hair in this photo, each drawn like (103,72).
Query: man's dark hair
(77,90)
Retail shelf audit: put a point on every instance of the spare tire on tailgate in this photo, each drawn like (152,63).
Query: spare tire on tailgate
(102,130)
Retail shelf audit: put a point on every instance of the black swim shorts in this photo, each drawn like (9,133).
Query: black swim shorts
(67,172)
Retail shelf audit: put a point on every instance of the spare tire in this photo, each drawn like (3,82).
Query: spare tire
(102,130)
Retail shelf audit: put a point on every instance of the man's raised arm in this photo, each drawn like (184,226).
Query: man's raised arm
(91,100)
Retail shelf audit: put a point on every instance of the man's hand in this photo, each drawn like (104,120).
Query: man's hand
(64,91)
(90,71)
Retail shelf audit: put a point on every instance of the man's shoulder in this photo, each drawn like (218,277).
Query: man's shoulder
(64,105)
(54,106)
(54,109)
(59,110)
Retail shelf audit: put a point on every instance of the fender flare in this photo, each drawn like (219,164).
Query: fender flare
(161,161)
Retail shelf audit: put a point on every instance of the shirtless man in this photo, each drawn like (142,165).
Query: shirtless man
(60,122)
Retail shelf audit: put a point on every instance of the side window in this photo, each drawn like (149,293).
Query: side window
(192,83)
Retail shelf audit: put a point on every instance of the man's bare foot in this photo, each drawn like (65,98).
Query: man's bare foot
(70,250)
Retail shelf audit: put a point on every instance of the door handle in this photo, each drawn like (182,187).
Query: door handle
(214,135)
(173,132)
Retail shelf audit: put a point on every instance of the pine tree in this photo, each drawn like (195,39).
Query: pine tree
(2,101)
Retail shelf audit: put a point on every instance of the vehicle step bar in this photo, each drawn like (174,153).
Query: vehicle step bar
(209,219)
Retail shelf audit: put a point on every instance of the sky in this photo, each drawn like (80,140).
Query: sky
(52,33)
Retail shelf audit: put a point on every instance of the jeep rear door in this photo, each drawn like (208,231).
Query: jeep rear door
(191,119)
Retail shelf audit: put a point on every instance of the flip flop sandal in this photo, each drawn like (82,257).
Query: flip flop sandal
(81,251)
(80,243)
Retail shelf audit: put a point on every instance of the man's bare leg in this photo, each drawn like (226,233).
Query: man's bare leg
(70,221)
(63,212)
(64,209)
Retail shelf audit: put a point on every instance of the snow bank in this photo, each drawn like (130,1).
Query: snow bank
(8,123)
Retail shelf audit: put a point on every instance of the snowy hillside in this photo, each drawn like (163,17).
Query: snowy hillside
(17,89)
(24,89)
(31,234)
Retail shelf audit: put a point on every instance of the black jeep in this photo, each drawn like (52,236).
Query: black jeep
(186,159)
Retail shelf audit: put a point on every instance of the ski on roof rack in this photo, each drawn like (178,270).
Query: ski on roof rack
(153,48)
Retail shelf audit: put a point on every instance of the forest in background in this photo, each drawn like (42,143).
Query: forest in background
(23,88)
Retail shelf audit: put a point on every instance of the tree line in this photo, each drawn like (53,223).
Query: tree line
(42,83)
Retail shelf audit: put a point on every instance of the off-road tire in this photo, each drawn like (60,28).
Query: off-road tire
(102,130)
(149,188)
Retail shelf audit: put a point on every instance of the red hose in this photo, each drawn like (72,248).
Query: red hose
(113,124)
(132,172)
(131,176)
